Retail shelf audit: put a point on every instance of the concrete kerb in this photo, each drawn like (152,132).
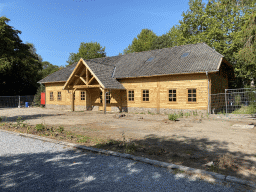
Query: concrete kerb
(219,177)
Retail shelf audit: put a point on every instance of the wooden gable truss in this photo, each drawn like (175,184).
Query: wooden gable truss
(83,77)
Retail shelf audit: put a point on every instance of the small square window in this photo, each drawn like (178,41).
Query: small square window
(131,95)
(51,96)
(59,96)
(191,95)
(82,95)
(172,95)
(145,95)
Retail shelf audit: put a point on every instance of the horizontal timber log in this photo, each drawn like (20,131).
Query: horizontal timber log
(85,86)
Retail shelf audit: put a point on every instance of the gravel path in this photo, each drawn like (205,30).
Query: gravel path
(28,164)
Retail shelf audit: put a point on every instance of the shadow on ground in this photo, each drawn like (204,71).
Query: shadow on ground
(72,170)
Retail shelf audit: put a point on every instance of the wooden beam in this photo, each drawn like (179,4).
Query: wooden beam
(85,86)
(104,100)
(87,76)
(83,80)
(80,76)
(91,80)
(72,100)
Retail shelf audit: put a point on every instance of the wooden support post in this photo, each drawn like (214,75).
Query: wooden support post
(104,100)
(158,96)
(72,100)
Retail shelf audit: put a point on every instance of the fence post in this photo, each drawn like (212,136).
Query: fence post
(226,101)
(19,102)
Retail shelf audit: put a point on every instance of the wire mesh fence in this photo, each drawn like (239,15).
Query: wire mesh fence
(16,101)
(233,100)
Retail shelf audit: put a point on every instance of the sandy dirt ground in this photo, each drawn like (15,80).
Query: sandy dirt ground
(215,134)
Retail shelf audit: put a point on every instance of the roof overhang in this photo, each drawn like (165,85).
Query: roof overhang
(77,76)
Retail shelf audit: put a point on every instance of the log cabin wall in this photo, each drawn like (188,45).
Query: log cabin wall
(159,93)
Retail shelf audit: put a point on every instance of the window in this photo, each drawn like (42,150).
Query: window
(150,59)
(185,54)
(59,96)
(191,95)
(108,97)
(82,95)
(131,95)
(145,95)
(51,96)
(172,95)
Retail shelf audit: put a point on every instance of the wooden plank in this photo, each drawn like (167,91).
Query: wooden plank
(85,86)
(83,80)
(87,76)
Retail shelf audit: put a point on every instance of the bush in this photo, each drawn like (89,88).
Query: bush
(173,117)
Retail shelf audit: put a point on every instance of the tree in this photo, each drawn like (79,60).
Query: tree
(161,42)
(18,65)
(47,69)
(215,23)
(87,51)
(143,42)
(246,56)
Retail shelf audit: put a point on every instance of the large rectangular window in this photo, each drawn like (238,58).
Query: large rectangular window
(172,95)
(51,96)
(191,95)
(145,95)
(82,95)
(131,95)
(59,96)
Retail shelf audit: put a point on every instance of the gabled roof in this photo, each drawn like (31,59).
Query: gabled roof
(201,58)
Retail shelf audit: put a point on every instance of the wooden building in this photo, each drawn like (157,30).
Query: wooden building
(159,81)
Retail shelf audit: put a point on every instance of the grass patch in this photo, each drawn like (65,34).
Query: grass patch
(83,139)
(245,110)
(60,129)
(40,127)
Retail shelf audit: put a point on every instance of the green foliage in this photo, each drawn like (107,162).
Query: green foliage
(1,119)
(237,100)
(143,42)
(84,139)
(180,114)
(161,42)
(87,51)
(221,25)
(251,109)
(173,117)
(19,120)
(246,56)
(37,97)
(40,127)
(60,129)
(48,68)
(19,64)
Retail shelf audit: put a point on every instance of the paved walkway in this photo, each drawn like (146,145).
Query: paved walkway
(28,164)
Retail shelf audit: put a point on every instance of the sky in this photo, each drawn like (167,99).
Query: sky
(57,27)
